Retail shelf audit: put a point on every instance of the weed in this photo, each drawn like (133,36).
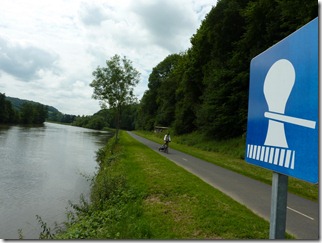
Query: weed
(20,233)
(46,233)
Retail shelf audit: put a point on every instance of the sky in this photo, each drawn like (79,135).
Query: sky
(49,49)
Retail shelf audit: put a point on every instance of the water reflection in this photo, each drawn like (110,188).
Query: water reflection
(40,172)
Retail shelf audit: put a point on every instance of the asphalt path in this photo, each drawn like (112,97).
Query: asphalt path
(302,214)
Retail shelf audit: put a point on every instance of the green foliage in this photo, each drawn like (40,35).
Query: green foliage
(210,80)
(7,113)
(46,231)
(60,117)
(33,113)
(53,113)
(15,110)
(106,118)
(189,75)
(157,106)
(28,112)
(113,85)
(97,122)
(20,233)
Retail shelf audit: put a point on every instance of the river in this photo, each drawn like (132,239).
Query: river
(42,168)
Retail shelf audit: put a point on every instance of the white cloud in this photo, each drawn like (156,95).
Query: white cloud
(169,22)
(25,62)
(91,14)
(56,45)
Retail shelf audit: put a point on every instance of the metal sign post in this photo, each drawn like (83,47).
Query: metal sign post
(278,206)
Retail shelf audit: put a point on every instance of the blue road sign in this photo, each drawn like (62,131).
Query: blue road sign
(282,127)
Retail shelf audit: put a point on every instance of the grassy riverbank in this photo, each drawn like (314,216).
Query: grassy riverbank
(138,194)
(230,154)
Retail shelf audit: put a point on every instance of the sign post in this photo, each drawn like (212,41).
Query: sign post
(278,206)
(282,126)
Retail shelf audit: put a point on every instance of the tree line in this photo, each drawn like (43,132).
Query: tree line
(205,88)
(28,113)
(106,118)
(60,117)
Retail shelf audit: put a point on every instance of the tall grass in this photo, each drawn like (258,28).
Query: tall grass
(234,147)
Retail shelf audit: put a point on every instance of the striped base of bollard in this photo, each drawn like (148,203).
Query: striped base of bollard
(277,156)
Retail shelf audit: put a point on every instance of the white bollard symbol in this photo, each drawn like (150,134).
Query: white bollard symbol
(278,86)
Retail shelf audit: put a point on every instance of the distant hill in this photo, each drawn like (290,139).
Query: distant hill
(17,103)
(53,113)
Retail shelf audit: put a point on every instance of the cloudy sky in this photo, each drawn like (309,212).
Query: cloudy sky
(49,49)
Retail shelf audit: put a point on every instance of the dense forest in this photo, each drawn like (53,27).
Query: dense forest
(205,88)
(106,118)
(20,111)
(23,113)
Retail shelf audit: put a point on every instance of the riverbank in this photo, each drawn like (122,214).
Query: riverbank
(138,194)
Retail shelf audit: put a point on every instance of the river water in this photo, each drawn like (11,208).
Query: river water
(41,169)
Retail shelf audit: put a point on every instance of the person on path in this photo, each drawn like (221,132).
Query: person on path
(167,139)
(165,146)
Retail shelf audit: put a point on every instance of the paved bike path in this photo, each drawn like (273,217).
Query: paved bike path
(302,214)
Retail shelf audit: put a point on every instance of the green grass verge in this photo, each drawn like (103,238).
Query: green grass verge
(138,194)
(230,155)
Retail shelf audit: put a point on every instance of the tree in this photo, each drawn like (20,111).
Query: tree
(166,98)
(146,111)
(27,113)
(157,106)
(7,113)
(189,89)
(113,85)
(208,85)
(33,113)
(223,100)
(3,109)
(40,113)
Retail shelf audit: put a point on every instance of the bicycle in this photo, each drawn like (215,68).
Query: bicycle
(164,148)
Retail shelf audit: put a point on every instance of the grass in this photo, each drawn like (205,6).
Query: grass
(138,194)
(230,155)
